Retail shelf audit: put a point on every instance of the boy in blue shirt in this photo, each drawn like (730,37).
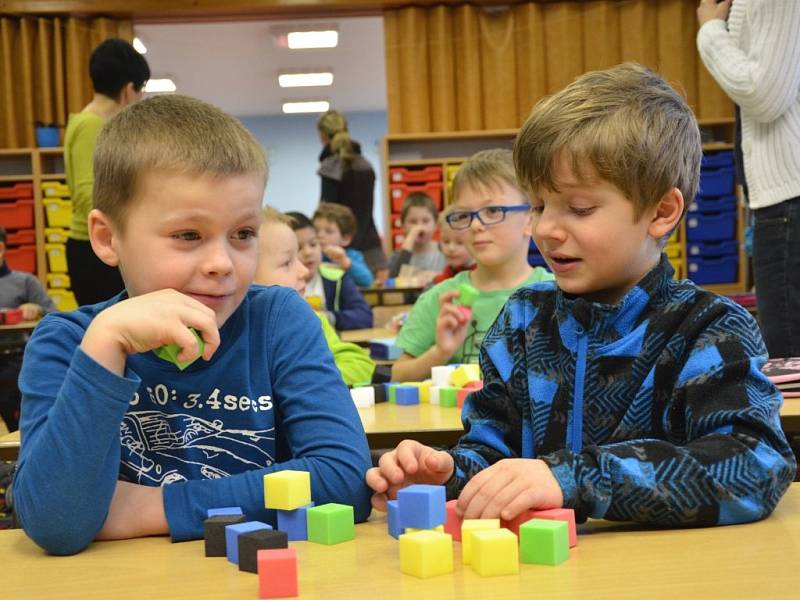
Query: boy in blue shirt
(335,225)
(117,443)
(616,391)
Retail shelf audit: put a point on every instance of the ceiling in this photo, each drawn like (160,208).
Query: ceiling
(235,65)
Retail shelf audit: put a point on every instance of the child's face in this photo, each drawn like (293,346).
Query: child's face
(278,260)
(310,250)
(329,234)
(192,233)
(588,235)
(421,219)
(495,245)
(453,247)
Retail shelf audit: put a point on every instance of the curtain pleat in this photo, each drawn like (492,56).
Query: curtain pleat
(44,70)
(465,67)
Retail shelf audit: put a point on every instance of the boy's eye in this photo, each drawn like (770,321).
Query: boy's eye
(492,211)
(245,234)
(583,212)
(538,209)
(187,236)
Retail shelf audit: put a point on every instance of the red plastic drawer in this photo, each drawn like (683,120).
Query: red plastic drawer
(415,174)
(16,215)
(21,237)
(400,191)
(22,259)
(18,190)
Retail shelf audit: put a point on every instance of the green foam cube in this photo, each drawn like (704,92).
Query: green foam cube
(330,524)
(467,294)
(448,396)
(543,542)
(170,352)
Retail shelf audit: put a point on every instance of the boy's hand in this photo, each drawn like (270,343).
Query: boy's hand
(411,462)
(338,255)
(508,488)
(452,324)
(145,322)
(135,511)
(30,311)
(411,238)
(708,10)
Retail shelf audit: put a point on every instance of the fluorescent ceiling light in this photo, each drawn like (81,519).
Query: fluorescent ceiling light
(139,46)
(313,39)
(306,106)
(160,86)
(286,80)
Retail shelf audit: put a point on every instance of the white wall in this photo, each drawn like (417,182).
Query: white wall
(293,149)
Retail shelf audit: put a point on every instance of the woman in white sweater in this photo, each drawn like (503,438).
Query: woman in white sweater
(755,58)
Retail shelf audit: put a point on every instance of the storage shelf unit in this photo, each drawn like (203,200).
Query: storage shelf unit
(37,166)
(448,150)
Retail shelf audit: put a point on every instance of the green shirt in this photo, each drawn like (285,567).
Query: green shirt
(79,140)
(352,360)
(419,332)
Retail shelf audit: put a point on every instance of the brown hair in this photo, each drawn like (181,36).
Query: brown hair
(486,169)
(626,122)
(418,199)
(340,214)
(334,125)
(174,133)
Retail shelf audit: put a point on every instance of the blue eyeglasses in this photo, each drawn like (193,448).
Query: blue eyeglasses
(488,215)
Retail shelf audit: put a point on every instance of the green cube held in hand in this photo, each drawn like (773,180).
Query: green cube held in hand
(467,294)
(170,352)
(330,524)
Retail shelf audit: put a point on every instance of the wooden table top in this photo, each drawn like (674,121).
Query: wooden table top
(610,561)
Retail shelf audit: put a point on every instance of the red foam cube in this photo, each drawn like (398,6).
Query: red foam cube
(560,514)
(461,395)
(277,573)
(514,524)
(453,523)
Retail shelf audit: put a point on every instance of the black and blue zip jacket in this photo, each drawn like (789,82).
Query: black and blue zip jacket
(652,410)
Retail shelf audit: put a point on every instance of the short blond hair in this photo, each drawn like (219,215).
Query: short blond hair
(627,123)
(172,133)
(486,169)
(337,213)
(271,216)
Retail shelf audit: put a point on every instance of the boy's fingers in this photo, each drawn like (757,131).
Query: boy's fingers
(376,481)
(447,297)
(439,463)
(389,468)
(379,502)
(408,457)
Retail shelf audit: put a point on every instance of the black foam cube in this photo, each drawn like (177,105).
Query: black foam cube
(380,392)
(214,532)
(251,543)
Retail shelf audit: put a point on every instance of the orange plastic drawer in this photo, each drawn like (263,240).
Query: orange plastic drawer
(21,237)
(22,259)
(16,215)
(415,174)
(18,190)
(400,191)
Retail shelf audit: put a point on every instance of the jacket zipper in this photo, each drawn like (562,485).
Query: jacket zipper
(576,441)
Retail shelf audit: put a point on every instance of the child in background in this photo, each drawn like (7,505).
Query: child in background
(23,291)
(454,250)
(278,264)
(118,443)
(336,226)
(419,250)
(495,216)
(328,288)
(620,392)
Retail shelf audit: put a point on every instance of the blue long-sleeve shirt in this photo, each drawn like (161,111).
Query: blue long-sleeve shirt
(358,270)
(652,410)
(269,399)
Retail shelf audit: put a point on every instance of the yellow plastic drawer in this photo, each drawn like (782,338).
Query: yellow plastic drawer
(59,212)
(58,281)
(678,266)
(63,299)
(56,235)
(673,250)
(55,189)
(56,257)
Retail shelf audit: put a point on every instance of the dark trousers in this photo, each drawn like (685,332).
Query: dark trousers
(9,392)
(92,280)
(776,266)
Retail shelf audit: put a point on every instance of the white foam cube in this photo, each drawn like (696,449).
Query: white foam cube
(441,375)
(434,395)
(364,397)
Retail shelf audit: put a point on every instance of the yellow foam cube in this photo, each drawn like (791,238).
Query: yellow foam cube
(464,374)
(440,529)
(425,392)
(468,526)
(426,553)
(287,490)
(494,552)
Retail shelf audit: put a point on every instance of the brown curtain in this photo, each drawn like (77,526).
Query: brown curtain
(44,70)
(463,68)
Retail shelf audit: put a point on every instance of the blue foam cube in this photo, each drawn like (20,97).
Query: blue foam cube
(406,395)
(294,522)
(226,510)
(232,533)
(422,506)
(392,519)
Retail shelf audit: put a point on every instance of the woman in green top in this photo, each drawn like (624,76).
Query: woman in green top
(118,75)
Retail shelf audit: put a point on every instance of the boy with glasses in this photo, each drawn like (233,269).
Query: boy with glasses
(495,216)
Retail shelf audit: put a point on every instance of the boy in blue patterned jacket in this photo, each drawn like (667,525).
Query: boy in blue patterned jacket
(616,391)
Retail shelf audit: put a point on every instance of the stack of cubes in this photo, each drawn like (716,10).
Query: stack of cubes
(426,527)
(711,242)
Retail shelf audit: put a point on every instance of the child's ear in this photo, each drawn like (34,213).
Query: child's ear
(667,215)
(103,234)
(346,240)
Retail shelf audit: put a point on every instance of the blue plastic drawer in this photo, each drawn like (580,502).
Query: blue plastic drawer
(710,227)
(716,182)
(713,204)
(712,249)
(714,160)
(714,270)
